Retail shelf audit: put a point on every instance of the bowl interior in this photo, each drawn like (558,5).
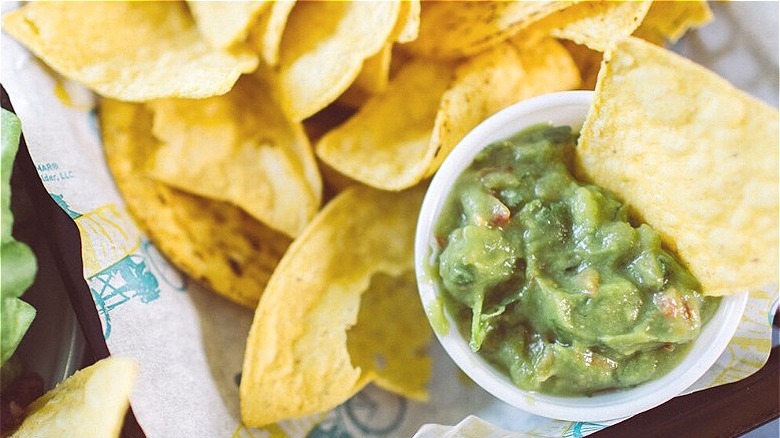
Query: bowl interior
(566,108)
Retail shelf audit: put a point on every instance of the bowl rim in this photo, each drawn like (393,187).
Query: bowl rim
(569,107)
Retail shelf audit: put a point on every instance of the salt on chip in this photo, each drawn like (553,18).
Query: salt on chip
(494,80)
(390,311)
(91,402)
(215,243)
(695,158)
(451,30)
(670,20)
(132,51)
(224,24)
(239,148)
(297,361)
(266,36)
(386,144)
(323,48)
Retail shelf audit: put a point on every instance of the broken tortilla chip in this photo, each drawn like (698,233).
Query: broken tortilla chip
(156,52)
(91,402)
(235,262)
(297,361)
(388,342)
(239,148)
(695,158)
(323,48)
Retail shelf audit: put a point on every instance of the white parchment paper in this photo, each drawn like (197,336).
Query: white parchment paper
(189,341)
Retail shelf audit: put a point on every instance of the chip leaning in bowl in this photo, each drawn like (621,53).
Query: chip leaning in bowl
(550,279)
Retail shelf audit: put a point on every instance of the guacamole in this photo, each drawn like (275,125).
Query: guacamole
(552,282)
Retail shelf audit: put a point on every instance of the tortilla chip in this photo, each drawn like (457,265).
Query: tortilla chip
(239,148)
(408,25)
(596,24)
(324,46)
(388,342)
(297,361)
(494,80)
(213,242)
(451,30)
(696,158)
(223,24)
(132,51)
(670,20)
(401,137)
(266,36)
(386,144)
(588,62)
(375,74)
(91,402)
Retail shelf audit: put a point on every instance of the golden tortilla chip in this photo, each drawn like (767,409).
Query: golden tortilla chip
(408,25)
(696,158)
(494,80)
(386,144)
(239,148)
(596,24)
(90,403)
(375,74)
(133,51)
(373,78)
(267,34)
(670,20)
(213,242)
(222,23)
(588,62)
(456,29)
(297,361)
(324,46)
(388,342)
(399,138)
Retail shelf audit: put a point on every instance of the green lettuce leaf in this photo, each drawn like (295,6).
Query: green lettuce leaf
(17,260)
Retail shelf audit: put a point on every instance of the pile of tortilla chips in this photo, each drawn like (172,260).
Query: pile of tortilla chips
(221,120)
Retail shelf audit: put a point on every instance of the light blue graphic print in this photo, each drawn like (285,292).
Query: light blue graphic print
(119,283)
(114,256)
(370,413)
(580,429)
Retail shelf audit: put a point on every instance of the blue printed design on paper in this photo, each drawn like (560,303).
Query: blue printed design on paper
(119,283)
(129,275)
(60,200)
(371,412)
(580,429)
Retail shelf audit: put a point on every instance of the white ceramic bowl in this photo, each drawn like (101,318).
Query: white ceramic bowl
(568,108)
